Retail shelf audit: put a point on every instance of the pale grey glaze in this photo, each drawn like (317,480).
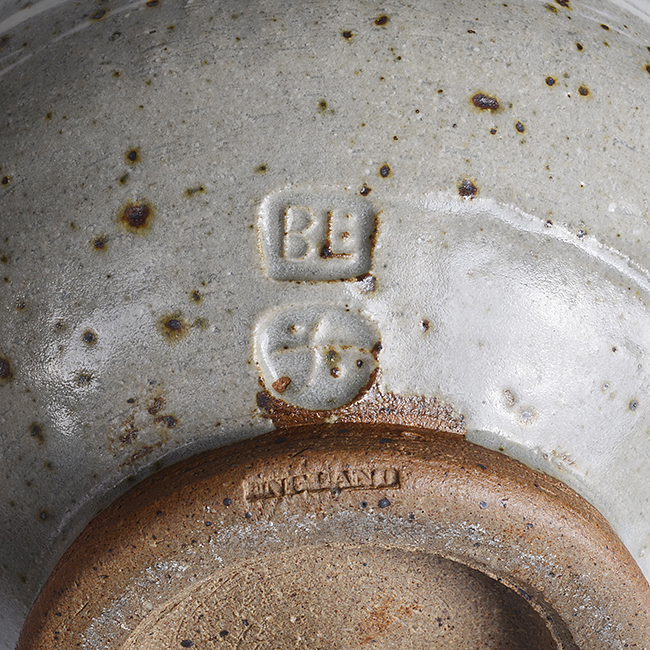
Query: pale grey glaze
(524,307)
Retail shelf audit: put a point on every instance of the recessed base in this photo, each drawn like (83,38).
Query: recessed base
(341,537)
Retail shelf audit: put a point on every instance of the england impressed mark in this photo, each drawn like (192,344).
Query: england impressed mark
(359,478)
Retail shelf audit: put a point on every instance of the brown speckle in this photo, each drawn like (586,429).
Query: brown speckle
(168,420)
(647,68)
(48,117)
(5,369)
(580,47)
(381,21)
(98,15)
(21,306)
(281,384)
(493,131)
(4,40)
(261,169)
(153,3)
(132,156)
(191,191)
(634,405)
(322,106)
(376,349)
(4,259)
(564,3)
(347,34)
(551,8)
(384,171)
(44,515)
(129,437)
(550,81)
(606,27)
(467,189)
(365,190)
(89,337)
(583,90)
(485,102)
(173,327)
(5,180)
(156,405)
(196,296)
(36,432)
(520,127)
(83,379)
(335,372)
(425,325)
(136,217)
(100,243)
(366,283)
(124,179)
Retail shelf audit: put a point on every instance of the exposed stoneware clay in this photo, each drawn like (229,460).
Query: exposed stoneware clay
(345,536)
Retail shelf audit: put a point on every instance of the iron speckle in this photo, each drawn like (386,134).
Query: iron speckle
(384,171)
(467,189)
(136,216)
(5,369)
(550,81)
(168,420)
(191,191)
(89,337)
(281,384)
(83,379)
(173,327)
(347,34)
(382,20)
(520,127)
(36,432)
(365,190)
(583,90)
(100,243)
(132,156)
(485,102)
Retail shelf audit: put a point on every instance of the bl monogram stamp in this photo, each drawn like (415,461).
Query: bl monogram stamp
(318,237)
